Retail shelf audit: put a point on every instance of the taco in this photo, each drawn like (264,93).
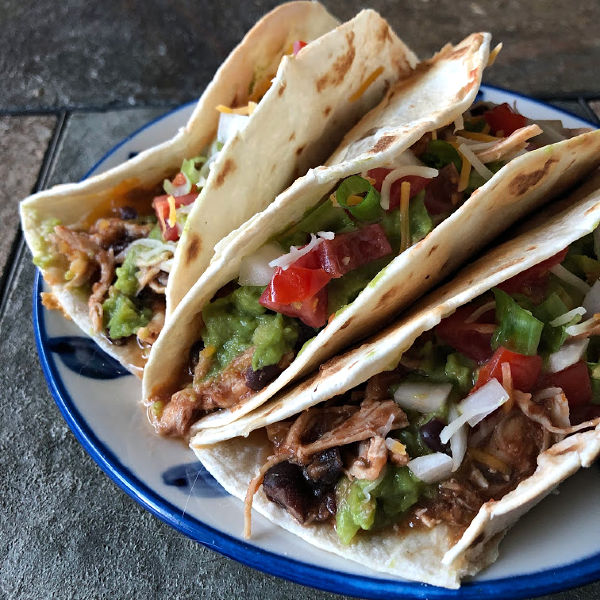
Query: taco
(415,452)
(110,246)
(423,180)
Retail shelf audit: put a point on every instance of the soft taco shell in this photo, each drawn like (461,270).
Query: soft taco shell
(298,122)
(432,556)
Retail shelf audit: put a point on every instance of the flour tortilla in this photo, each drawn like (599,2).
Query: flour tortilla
(437,94)
(431,556)
(297,124)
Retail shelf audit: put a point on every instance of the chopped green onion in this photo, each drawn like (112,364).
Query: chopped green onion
(420,221)
(369,209)
(188,168)
(439,154)
(518,330)
(324,217)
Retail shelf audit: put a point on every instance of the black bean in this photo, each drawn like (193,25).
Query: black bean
(430,432)
(325,469)
(257,380)
(127,213)
(285,485)
(194,356)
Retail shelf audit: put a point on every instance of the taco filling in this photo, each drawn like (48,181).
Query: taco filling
(461,419)
(288,290)
(121,256)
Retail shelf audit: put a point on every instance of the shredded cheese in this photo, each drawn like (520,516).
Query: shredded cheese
(464,150)
(172,211)
(489,460)
(242,110)
(404,217)
(465,171)
(493,54)
(364,86)
(507,384)
(569,278)
(398,173)
(479,137)
(481,311)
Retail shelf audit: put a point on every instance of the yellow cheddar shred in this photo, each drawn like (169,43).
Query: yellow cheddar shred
(480,137)
(404,216)
(489,460)
(242,110)
(465,171)
(493,54)
(172,211)
(364,86)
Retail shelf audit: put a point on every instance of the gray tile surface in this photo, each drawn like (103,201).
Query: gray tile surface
(23,142)
(127,52)
(66,531)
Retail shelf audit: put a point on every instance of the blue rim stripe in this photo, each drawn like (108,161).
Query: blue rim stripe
(522,586)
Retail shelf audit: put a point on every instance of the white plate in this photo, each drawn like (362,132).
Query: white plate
(557,545)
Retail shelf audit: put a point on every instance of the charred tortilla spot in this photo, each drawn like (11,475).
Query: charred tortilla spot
(193,248)
(433,249)
(344,326)
(281,89)
(299,150)
(590,210)
(326,110)
(427,276)
(292,136)
(386,297)
(228,167)
(383,143)
(521,183)
(340,67)
(531,248)
(384,33)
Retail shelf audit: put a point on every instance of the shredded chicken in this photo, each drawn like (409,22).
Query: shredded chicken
(372,457)
(149,333)
(514,142)
(373,419)
(117,232)
(550,411)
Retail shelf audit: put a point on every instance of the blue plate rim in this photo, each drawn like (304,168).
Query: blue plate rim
(522,586)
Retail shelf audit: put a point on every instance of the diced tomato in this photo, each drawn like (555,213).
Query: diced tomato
(503,118)
(438,194)
(534,277)
(348,251)
(465,337)
(162,209)
(416,184)
(294,284)
(524,370)
(297,46)
(574,382)
(312,311)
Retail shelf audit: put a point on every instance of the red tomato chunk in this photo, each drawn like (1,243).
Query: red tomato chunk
(348,251)
(534,277)
(524,370)
(574,382)
(503,118)
(312,311)
(416,184)
(162,209)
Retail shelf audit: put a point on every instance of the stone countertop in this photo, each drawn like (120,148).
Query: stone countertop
(66,531)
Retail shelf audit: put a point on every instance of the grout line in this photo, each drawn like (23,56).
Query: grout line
(592,116)
(18,245)
(25,112)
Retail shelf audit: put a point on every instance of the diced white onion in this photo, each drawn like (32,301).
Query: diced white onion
(255,269)
(459,124)
(475,162)
(400,172)
(481,311)
(296,252)
(475,145)
(431,468)
(458,442)
(424,397)
(568,316)
(177,190)
(591,302)
(568,355)
(476,407)
(166,265)
(229,125)
(571,279)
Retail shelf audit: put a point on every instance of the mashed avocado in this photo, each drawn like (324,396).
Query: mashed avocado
(236,322)
(43,257)
(363,504)
(122,317)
